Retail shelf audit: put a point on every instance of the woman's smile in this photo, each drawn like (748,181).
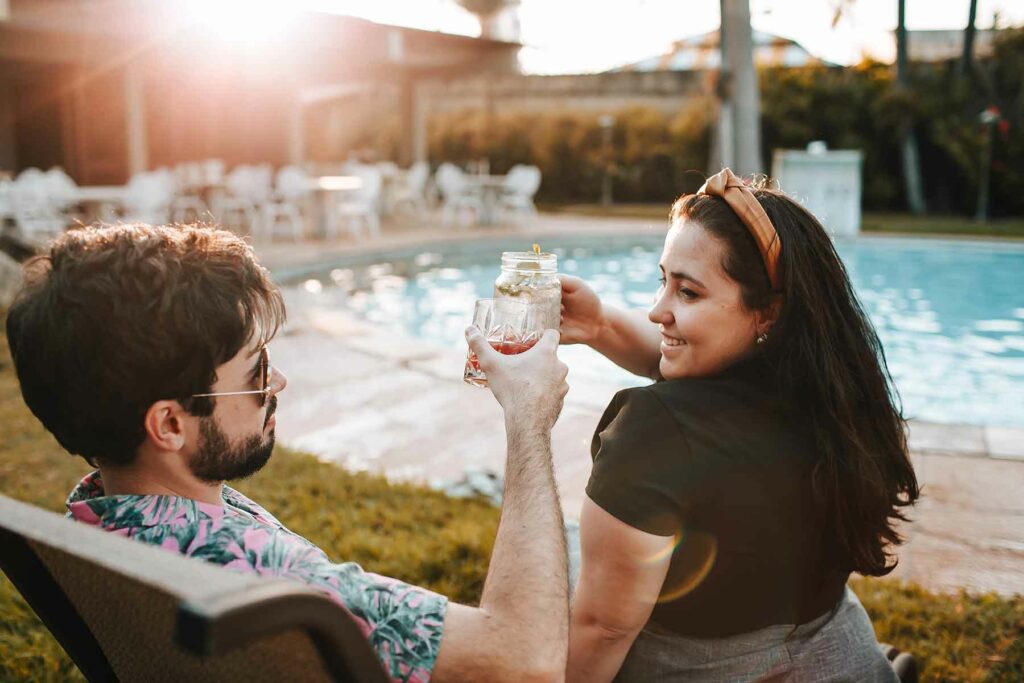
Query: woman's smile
(704,325)
(670,342)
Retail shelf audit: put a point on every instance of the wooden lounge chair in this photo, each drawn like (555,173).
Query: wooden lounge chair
(128,611)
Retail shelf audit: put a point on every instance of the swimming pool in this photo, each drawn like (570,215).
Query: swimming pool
(950,314)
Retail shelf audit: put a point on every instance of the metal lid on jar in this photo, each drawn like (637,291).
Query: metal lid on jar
(529,262)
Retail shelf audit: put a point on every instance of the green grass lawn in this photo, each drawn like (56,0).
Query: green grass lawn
(424,537)
(891,223)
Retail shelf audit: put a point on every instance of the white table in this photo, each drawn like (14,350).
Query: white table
(98,200)
(328,189)
(489,188)
(100,193)
(336,183)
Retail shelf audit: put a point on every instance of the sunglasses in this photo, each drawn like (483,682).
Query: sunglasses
(264,374)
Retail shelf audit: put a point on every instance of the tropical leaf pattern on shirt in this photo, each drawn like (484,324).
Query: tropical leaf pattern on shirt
(402,622)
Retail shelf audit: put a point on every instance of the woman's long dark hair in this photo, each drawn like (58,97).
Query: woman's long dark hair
(831,366)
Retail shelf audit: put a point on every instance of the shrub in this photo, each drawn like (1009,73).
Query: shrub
(652,157)
(655,158)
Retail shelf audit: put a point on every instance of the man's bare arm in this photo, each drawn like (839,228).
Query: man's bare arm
(520,630)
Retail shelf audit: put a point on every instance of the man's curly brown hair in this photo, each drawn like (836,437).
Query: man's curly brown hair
(112,319)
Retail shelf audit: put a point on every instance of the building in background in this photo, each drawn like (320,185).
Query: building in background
(106,88)
(943,45)
(667,82)
(703,52)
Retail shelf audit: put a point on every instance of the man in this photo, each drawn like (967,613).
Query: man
(145,350)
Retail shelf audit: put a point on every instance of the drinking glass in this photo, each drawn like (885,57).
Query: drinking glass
(509,326)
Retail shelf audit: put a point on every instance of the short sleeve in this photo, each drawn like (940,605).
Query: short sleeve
(640,461)
(403,623)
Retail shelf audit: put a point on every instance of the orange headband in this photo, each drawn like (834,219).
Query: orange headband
(741,200)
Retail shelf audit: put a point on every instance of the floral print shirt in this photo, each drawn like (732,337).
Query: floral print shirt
(403,623)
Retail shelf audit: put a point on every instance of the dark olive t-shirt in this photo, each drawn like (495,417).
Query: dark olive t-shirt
(724,465)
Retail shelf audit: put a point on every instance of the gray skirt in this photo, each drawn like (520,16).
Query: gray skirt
(837,646)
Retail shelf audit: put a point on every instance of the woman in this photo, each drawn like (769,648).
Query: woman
(729,503)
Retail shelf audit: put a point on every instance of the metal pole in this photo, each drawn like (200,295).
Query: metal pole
(606,122)
(988,119)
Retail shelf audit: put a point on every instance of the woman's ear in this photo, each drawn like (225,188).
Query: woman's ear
(766,317)
(165,428)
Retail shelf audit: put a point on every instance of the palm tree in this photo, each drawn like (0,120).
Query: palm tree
(485,11)
(738,135)
(908,141)
(968,55)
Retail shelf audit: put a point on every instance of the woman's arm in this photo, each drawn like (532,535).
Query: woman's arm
(621,574)
(627,338)
(631,341)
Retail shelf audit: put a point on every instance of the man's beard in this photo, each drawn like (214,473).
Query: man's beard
(217,460)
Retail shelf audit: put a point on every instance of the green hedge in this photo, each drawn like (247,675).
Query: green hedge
(655,158)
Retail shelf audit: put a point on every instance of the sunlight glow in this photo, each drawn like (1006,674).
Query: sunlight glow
(582,36)
(242,21)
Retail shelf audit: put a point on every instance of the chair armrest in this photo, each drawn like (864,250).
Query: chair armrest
(236,619)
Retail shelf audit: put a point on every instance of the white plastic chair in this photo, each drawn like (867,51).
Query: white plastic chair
(188,177)
(411,195)
(388,168)
(186,209)
(458,195)
(30,174)
(285,207)
(60,187)
(248,188)
(148,197)
(37,216)
(361,208)
(213,172)
(6,200)
(262,184)
(521,184)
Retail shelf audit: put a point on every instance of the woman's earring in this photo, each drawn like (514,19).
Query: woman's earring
(762,338)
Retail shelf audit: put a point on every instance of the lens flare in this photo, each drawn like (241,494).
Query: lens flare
(694,556)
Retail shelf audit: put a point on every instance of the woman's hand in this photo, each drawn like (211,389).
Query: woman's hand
(627,338)
(582,315)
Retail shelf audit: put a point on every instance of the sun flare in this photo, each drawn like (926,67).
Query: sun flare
(242,21)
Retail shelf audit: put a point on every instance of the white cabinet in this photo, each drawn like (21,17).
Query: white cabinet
(826,182)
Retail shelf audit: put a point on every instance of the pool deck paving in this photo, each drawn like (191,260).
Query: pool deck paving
(368,399)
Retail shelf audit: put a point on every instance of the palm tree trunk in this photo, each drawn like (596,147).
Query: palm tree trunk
(908,141)
(739,127)
(967,58)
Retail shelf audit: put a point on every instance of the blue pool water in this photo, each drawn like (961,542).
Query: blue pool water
(950,314)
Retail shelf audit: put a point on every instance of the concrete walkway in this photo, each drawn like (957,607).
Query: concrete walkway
(366,399)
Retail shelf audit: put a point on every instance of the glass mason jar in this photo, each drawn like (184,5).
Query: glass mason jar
(532,278)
